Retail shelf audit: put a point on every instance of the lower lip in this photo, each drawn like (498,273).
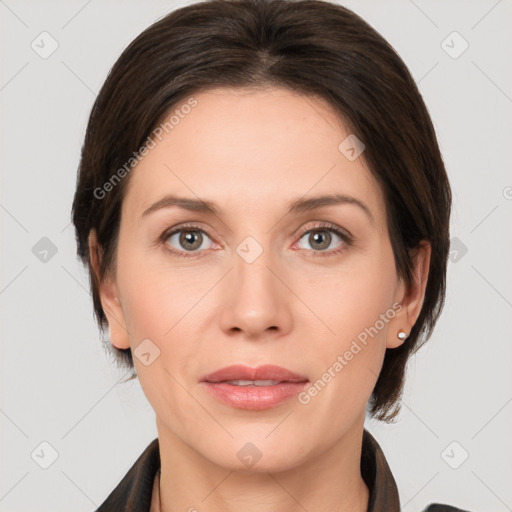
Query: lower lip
(254,397)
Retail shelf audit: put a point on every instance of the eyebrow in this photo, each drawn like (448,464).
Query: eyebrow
(300,205)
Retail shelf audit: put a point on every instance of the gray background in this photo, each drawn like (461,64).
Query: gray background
(59,387)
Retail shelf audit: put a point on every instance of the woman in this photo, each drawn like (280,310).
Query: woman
(229,139)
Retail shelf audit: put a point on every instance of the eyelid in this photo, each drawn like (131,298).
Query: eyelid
(343,233)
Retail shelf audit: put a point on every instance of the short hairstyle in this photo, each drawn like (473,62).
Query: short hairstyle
(313,47)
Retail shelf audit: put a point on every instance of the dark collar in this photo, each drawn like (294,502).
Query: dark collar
(133,493)
(378,477)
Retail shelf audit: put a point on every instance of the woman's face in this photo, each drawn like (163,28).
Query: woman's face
(250,284)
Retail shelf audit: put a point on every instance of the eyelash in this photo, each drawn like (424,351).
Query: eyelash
(346,237)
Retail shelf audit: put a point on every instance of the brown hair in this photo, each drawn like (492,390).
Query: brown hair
(313,47)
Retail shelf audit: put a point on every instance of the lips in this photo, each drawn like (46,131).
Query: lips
(262,373)
(255,389)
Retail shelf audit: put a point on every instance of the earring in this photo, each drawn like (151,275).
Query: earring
(402,335)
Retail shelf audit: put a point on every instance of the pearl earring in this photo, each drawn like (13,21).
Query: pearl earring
(402,335)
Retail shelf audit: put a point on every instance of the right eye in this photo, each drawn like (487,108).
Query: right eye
(185,239)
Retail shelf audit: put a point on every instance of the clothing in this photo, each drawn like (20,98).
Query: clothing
(138,491)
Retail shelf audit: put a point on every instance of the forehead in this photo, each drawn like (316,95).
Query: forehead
(263,147)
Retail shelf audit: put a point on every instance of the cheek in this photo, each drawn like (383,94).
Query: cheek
(153,292)
(156,309)
(350,297)
(158,304)
(353,308)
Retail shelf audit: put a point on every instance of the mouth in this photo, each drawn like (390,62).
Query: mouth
(259,388)
(253,382)
(244,375)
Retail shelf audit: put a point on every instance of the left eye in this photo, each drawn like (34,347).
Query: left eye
(321,238)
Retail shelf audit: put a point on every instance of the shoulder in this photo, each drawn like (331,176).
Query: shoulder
(380,481)
(440,507)
(134,491)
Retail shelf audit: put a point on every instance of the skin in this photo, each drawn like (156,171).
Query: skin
(251,152)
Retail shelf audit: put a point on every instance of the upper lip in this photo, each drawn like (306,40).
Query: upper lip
(265,372)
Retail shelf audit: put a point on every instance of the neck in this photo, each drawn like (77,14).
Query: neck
(330,482)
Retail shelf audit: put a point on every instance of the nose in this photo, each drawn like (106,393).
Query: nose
(255,298)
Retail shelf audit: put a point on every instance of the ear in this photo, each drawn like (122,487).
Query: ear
(411,298)
(109,297)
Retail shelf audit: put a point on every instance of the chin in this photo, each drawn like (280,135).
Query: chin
(253,453)
(275,463)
